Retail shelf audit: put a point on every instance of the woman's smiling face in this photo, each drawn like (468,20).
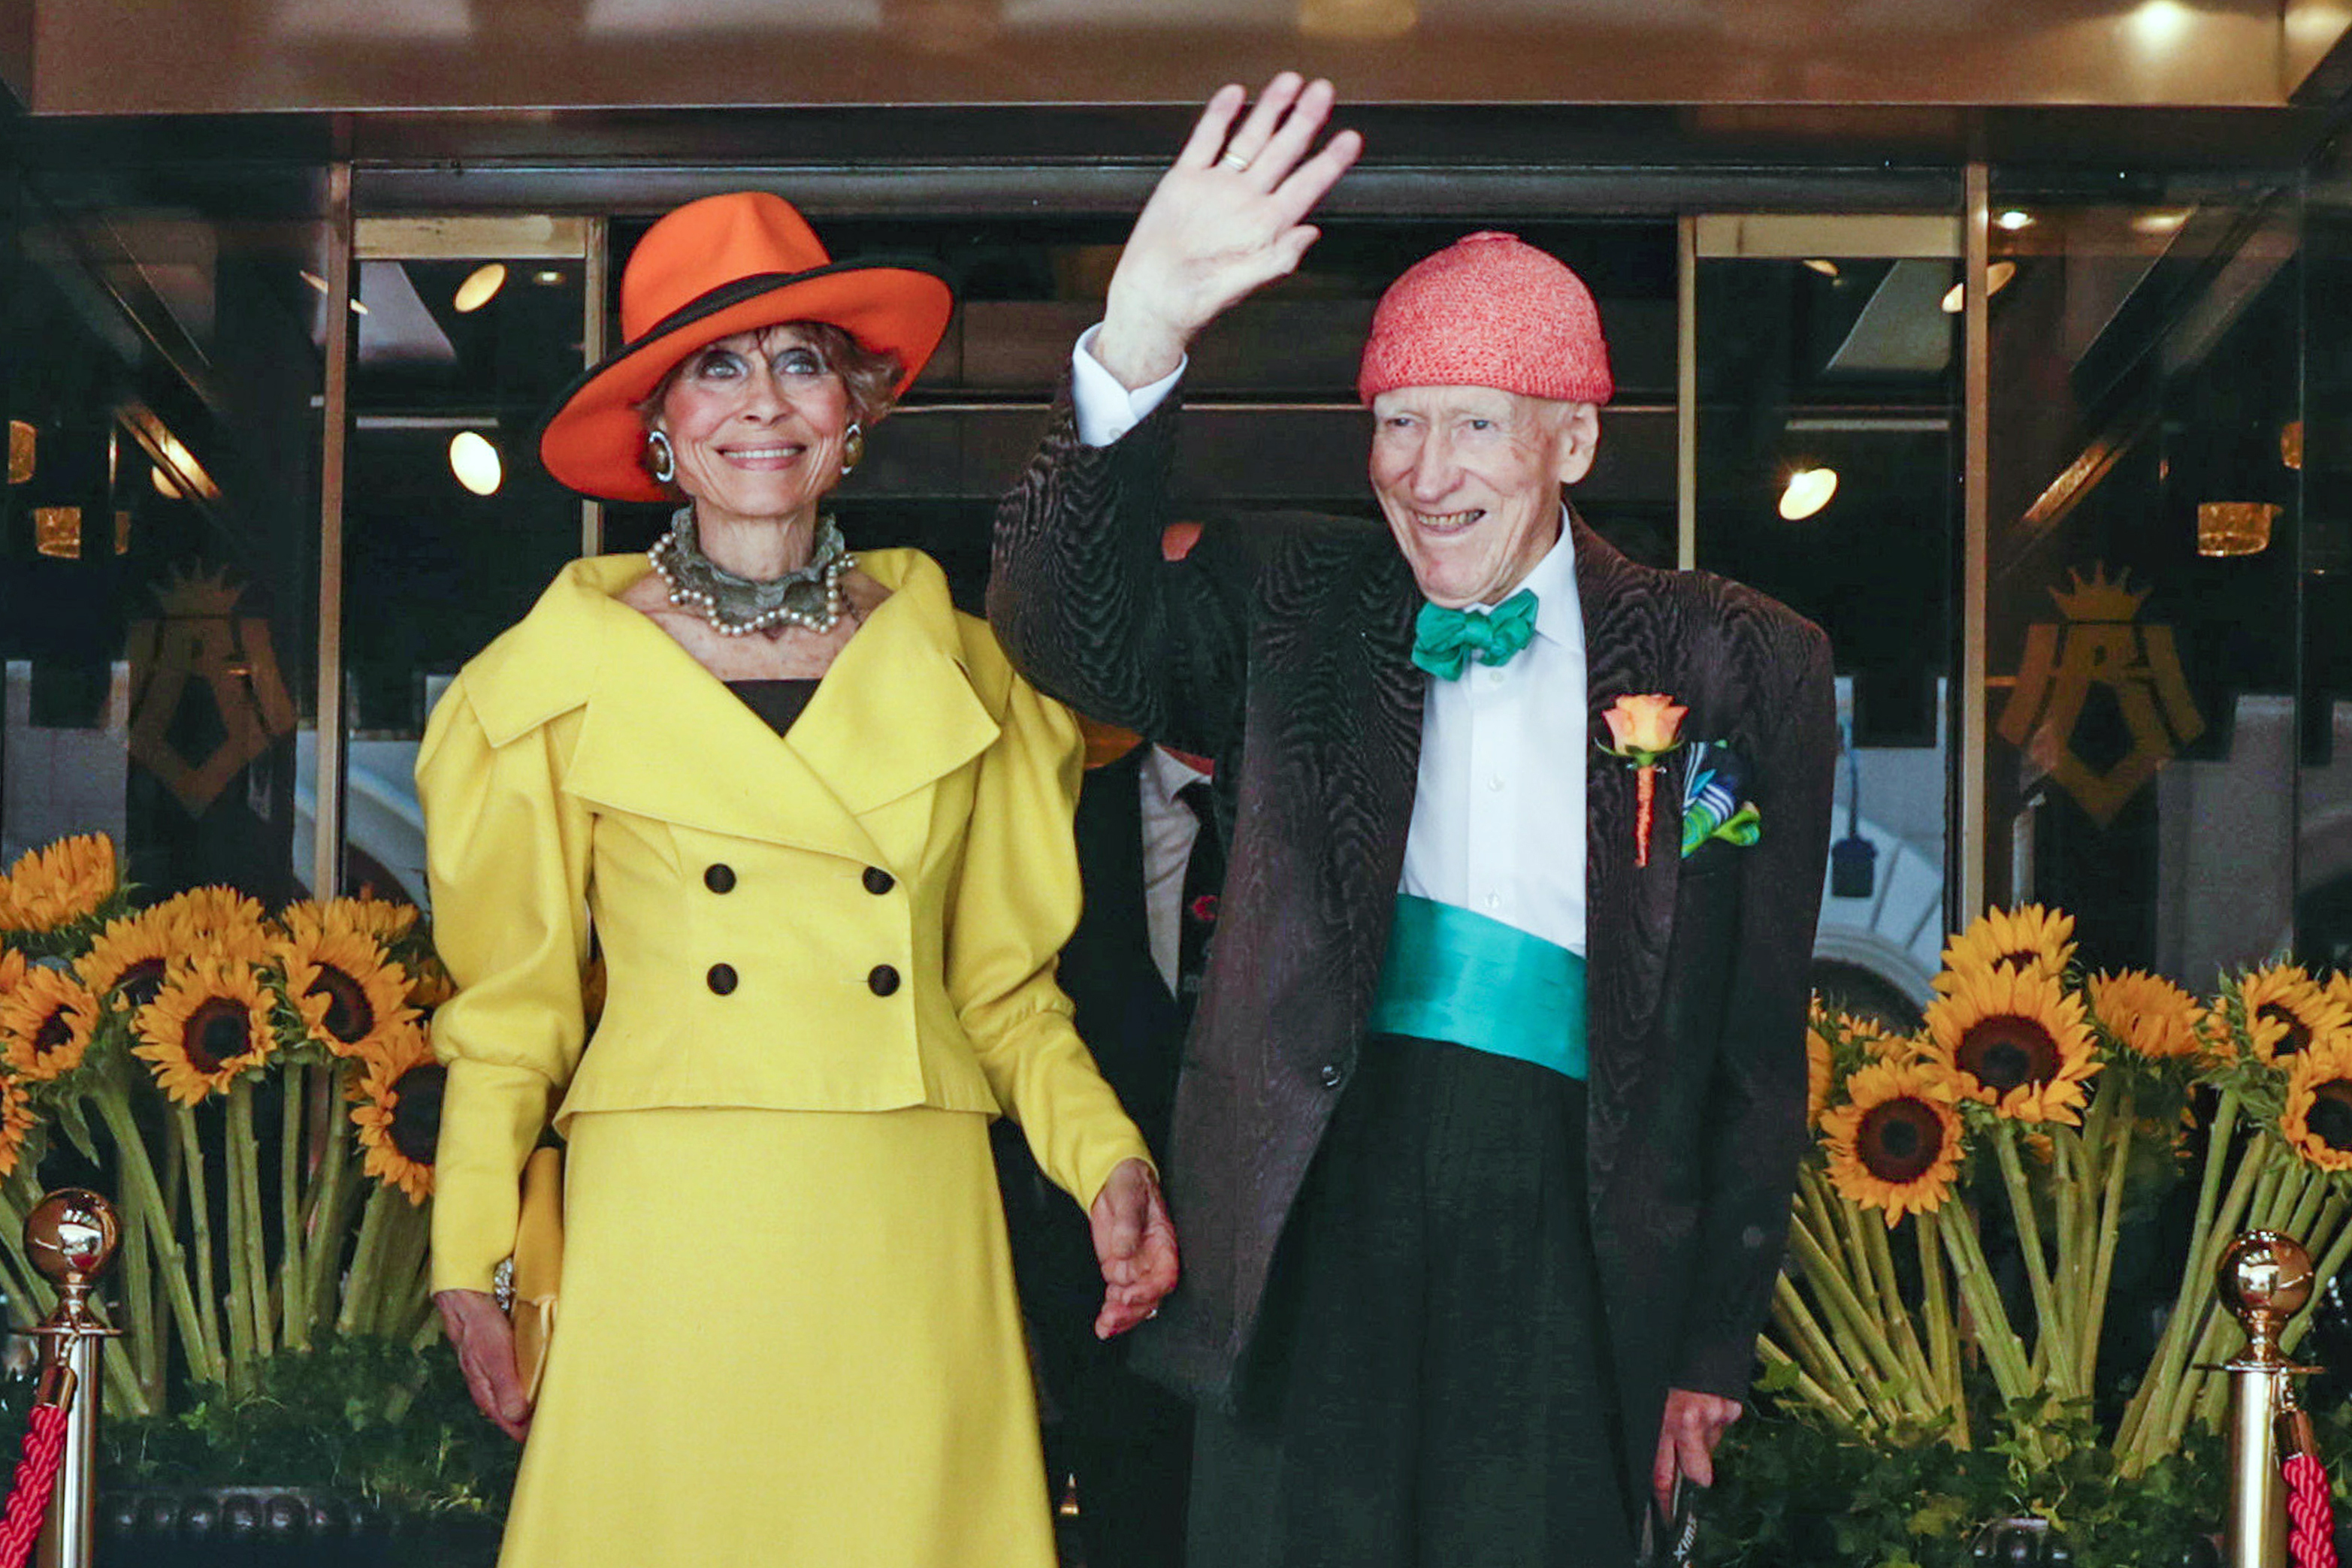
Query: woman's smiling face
(758,421)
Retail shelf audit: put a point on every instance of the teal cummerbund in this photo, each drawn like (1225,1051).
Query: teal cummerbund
(1456,975)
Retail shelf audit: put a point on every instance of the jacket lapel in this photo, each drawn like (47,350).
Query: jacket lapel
(1629,908)
(896,712)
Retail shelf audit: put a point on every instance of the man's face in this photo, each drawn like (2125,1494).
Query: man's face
(1469,479)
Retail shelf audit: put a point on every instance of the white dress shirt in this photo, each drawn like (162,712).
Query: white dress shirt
(1169,831)
(1498,810)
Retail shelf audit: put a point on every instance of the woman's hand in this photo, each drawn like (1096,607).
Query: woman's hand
(1226,218)
(1135,1242)
(484,1341)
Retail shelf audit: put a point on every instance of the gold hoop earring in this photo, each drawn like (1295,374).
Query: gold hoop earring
(853,447)
(662,459)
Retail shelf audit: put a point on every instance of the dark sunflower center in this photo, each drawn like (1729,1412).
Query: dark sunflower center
(141,981)
(2005,1052)
(2331,1114)
(216,1034)
(350,1015)
(416,1129)
(1900,1140)
(2298,1033)
(2022,958)
(54,1033)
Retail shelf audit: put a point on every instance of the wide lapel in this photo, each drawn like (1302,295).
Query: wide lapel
(1629,908)
(896,712)
(664,739)
(1384,734)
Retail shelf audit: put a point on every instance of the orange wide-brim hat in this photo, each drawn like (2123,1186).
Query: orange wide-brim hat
(713,268)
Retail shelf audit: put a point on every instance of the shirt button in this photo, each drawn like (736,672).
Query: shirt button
(1494,901)
(882,979)
(721,978)
(1494,677)
(719,878)
(1331,1075)
(1494,783)
(879,882)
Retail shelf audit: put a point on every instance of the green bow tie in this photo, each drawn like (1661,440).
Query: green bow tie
(1443,640)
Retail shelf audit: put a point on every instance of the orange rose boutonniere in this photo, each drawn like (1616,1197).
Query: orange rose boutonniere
(1644,729)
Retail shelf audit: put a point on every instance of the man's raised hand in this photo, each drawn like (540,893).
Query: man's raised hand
(1227,218)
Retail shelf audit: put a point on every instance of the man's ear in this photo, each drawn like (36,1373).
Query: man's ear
(1579,440)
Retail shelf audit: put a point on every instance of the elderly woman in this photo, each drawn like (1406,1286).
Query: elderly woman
(821,832)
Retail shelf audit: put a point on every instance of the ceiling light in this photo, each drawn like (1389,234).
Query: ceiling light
(1808,492)
(481,286)
(547,275)
(319,283)
(1996,278)
(2157,223)
(164,484)
(1823,265)
(2291,443)
(23,442)
(476,463)
(2234,527)
(2014,220)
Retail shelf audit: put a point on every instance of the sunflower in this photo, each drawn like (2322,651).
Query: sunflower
(45,1022)
(382,920)
(398,1113)
(131,956)
(2286,1010)
(429,984)
(209,1023)
(213,922)
(1894,1146)
(12,971)
(350,996)
(2149,1015)
(50,888)
(2318,1118)
(15,1124)
(1820,1066)
(2027,937)
(2016,1039)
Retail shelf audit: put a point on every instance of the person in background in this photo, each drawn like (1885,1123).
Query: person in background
(1492,1108)
(822,833)
(1151,860)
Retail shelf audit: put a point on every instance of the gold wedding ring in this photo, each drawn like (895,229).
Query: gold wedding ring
(1236,161)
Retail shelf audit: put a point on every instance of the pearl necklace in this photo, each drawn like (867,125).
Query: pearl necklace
(738,606)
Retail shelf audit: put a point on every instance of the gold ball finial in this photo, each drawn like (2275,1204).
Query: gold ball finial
(2265,1278)
(71,1234)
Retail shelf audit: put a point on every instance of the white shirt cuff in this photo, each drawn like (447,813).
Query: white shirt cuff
(1106,409)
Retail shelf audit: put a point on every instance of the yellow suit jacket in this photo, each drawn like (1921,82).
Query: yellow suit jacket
(862,915)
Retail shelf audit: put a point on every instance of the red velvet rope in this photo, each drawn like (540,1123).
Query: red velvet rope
(2311,1518)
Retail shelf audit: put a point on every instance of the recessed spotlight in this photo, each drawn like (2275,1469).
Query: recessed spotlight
(547,275)
(2162,223)
(1808,491)
(1823,265)
(476,463)
(1996,278)
(2015,219)
(481,286)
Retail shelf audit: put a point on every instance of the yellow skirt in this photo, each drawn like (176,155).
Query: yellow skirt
(786,1338)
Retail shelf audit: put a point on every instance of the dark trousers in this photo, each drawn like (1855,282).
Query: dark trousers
(1432,1385)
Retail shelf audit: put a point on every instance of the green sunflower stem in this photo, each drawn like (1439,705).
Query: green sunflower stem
(293,1273)
(2110,1223)
(138,1297)
(250,1282)
(139,1173)
(360,1283)
(2004,1351)
(1875,1395)
(403,1253)
(325,1219)
(2330,1263)
(1943,1337)
(200,1214)
(2050,1340)
(2146,1422)
(1839,1297)
(1819,1358)
(1890,1302)
(1808,1389)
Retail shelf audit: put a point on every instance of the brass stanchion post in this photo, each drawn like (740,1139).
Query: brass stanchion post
(70,1237)
(2266,1279)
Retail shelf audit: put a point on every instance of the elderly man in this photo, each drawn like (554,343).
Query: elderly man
(1493,1100)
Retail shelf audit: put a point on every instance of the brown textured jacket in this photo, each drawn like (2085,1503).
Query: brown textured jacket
(1282,647)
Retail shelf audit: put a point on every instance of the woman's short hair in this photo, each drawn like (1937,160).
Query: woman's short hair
(870,377)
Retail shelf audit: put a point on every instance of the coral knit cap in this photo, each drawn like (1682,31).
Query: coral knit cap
(1488,311)
(708,270)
